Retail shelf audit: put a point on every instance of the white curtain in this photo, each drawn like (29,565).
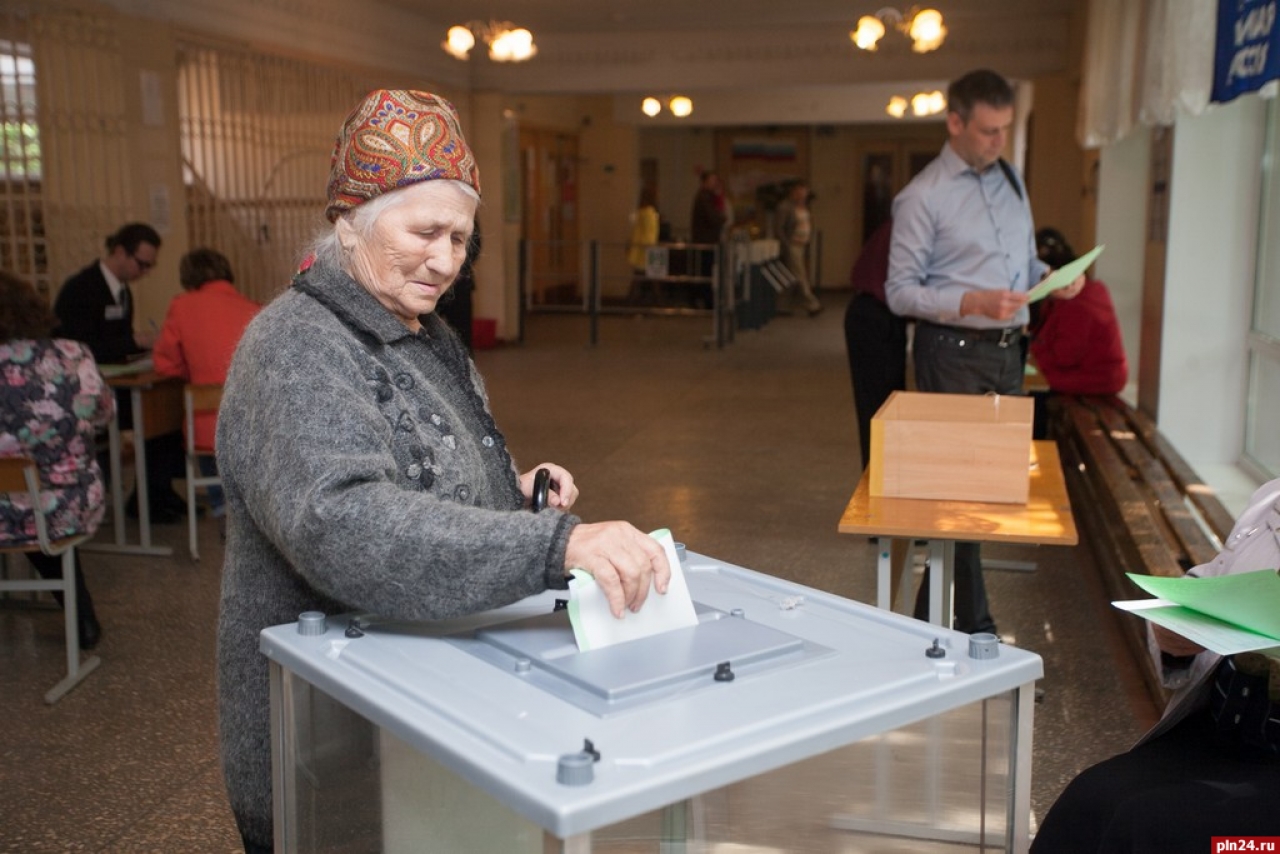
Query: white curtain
(1145,60)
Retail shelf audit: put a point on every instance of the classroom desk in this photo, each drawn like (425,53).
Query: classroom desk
(157,406)
(1044,520)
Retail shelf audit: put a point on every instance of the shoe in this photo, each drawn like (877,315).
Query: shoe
(90,631)
(166,515)
(162,513)
(814,312)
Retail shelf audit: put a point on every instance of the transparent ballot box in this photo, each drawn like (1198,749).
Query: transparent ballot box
(787,720)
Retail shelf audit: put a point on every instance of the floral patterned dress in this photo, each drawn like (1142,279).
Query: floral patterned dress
(52,402)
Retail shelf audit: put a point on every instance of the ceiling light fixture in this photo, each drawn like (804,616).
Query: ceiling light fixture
(507,42)
(928,103)
(923,26)
(921,104)
(679,105)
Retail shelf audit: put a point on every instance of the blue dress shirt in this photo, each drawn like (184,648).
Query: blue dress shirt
(955,230)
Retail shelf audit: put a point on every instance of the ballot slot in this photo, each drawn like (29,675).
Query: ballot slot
(541,650)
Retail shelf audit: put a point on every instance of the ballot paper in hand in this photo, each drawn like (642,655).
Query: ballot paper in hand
(1064,275)
(594,625)
(1227,614)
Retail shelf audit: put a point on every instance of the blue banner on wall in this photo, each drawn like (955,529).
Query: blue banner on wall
(1248,51)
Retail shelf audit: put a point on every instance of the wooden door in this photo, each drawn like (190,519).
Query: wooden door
(549,199)
(884,167)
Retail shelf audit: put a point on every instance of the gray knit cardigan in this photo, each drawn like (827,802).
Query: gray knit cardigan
(363,472)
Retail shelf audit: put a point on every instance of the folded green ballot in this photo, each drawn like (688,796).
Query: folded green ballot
(1064,275)
(1227,614)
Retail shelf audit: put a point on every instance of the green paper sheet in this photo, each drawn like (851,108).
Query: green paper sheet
(1064,275)
(1250,600)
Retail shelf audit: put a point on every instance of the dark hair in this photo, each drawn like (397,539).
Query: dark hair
(23,312)
(648,196)
(978,87)
(131,235)
(204,265)
(1053,248)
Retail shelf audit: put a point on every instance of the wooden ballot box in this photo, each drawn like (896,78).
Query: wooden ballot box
(952,447)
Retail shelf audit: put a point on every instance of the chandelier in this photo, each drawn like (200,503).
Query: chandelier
(507,42)
(923,26)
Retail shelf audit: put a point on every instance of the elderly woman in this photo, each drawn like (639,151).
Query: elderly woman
(362,467)
(1211,766)
(52,402)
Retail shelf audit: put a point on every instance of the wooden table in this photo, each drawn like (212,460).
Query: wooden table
(1044,520)
(156,403)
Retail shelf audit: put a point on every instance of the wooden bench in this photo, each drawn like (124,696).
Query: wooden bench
(1136,501)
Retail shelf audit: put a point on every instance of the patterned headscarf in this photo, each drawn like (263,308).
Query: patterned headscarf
(394,138)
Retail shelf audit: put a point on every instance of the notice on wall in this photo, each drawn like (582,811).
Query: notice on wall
(1247,56)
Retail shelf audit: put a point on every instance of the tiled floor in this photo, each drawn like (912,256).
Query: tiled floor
(746,453)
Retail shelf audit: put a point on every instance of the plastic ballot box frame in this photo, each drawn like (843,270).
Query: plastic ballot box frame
(497,725)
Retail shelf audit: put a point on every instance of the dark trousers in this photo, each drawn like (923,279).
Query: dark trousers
(165,455)
(50,566)
(948,361)
(1168,796)
(876,341)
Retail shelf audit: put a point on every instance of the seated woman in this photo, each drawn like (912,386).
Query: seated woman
(362,466)
(1211,766)
(199,336)
(1076,343)
(52,402)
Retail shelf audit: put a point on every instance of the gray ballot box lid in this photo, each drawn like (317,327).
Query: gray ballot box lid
(773,673)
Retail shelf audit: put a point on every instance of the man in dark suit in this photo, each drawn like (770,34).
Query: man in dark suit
(95,306)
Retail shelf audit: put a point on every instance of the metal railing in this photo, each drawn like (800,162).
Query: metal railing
(595,278)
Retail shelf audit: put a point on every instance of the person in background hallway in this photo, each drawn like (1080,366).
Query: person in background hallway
(707,225)
(200,333)
(1211,766)
(876,338)
(52,402)
(457,306)
(363,468)
(795,230)
(95,306)
(644,229)
(961,261)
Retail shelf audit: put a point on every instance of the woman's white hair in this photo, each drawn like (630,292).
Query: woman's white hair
(328,250)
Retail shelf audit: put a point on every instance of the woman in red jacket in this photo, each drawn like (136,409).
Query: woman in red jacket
(1076,342)
(199,336)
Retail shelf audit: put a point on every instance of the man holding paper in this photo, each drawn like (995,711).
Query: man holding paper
(1211,766)
(962,260)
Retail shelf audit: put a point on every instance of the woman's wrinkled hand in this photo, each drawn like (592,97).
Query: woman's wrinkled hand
(624,560)
(563,490)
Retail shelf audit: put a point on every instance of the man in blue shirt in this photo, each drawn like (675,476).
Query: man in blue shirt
(962,259)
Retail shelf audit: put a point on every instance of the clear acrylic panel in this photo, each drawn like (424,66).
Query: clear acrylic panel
(939,785)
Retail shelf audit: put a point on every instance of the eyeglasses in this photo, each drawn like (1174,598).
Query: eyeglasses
(143,264)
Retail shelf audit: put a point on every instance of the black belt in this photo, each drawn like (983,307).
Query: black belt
(999,337)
